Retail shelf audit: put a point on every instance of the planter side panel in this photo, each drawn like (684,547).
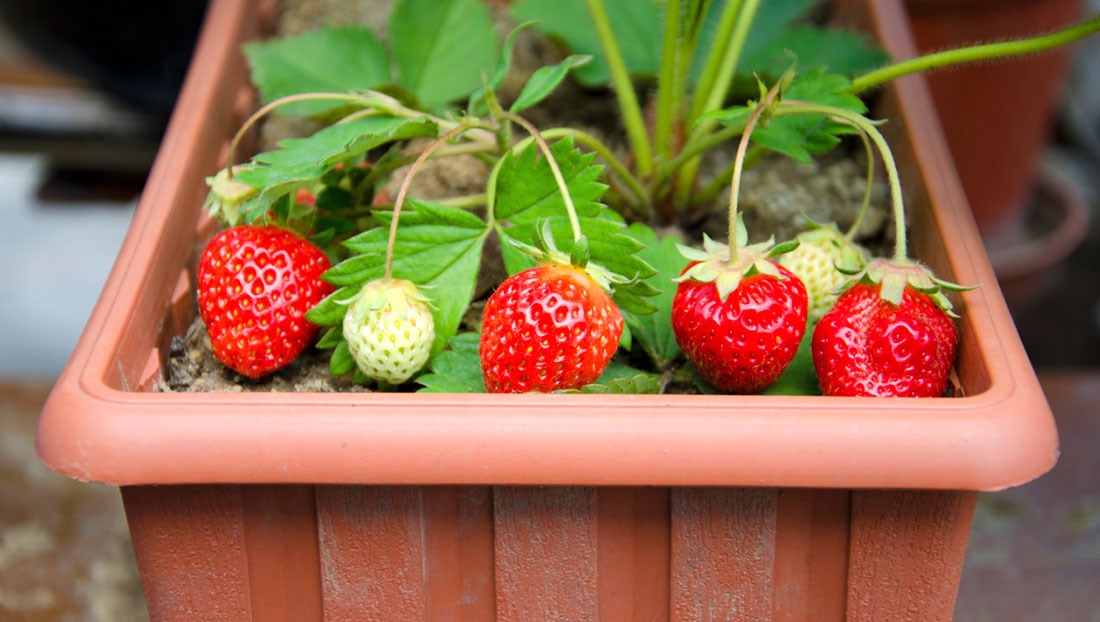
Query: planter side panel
(907,554)
(190,550)
(723,553)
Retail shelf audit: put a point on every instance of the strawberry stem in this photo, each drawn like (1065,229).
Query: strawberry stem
(400,200)
(739,161)
(574,222)
(850,235)
(259,114)
(974,53)
(848,117)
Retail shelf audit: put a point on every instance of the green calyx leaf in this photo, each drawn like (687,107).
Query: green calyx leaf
(714,265)
(227,196)
(894,277)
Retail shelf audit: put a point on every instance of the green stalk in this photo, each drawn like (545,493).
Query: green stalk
(693,149)
(726,22)
(624,87)
(400,200)
(766,103)
(974,53)
(850,235)
(559,179)
(789,107)
(668,79)
(282,101)
(732,54)
(714,186)
(715,95)
(609,158)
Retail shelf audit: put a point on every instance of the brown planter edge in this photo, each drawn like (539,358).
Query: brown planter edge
(102,424)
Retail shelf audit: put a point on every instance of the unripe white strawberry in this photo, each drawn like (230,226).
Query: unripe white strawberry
(821,250)
(389,330)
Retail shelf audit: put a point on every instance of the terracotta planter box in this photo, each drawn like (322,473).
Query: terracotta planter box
(534,507)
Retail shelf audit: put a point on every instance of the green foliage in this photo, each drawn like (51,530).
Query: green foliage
(545,80)
(300,161)
(652,330)
(637,26)
(525,190)
(438,248)
(779,28)
(799,378)
(332,59)
(456,369)
(441,47)
(800,136)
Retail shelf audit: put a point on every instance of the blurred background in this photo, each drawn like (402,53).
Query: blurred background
(86,90)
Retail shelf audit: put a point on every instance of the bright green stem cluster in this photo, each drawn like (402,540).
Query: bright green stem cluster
(624,87)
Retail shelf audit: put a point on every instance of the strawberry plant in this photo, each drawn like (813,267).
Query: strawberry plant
(593,297)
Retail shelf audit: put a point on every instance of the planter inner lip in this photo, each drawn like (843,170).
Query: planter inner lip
(1000,435)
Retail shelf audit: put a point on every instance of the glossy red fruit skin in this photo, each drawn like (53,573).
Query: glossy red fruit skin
(548,328)
(741,345)
(255,285)
(866,346)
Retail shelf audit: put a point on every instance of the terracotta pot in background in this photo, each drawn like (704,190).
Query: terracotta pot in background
(310,507)
(996,116)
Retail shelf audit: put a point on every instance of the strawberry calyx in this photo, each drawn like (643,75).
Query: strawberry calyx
(714,262)
(894,275)
(398,294)
(226,197)
(546,251)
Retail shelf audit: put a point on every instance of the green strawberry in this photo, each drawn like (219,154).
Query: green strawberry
(389,329)
(825,261)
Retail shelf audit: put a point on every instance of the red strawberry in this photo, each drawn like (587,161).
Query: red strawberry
(548,328)
(889,335)
(738,324)
(255,285)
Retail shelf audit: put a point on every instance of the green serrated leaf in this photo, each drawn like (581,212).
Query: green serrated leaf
(653,330)
(640,384)
(526,190)
(456,369)
(437,247)
(442,47)
(477,105)
(545,79)
(300,161)
(636,24)
(329,60)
